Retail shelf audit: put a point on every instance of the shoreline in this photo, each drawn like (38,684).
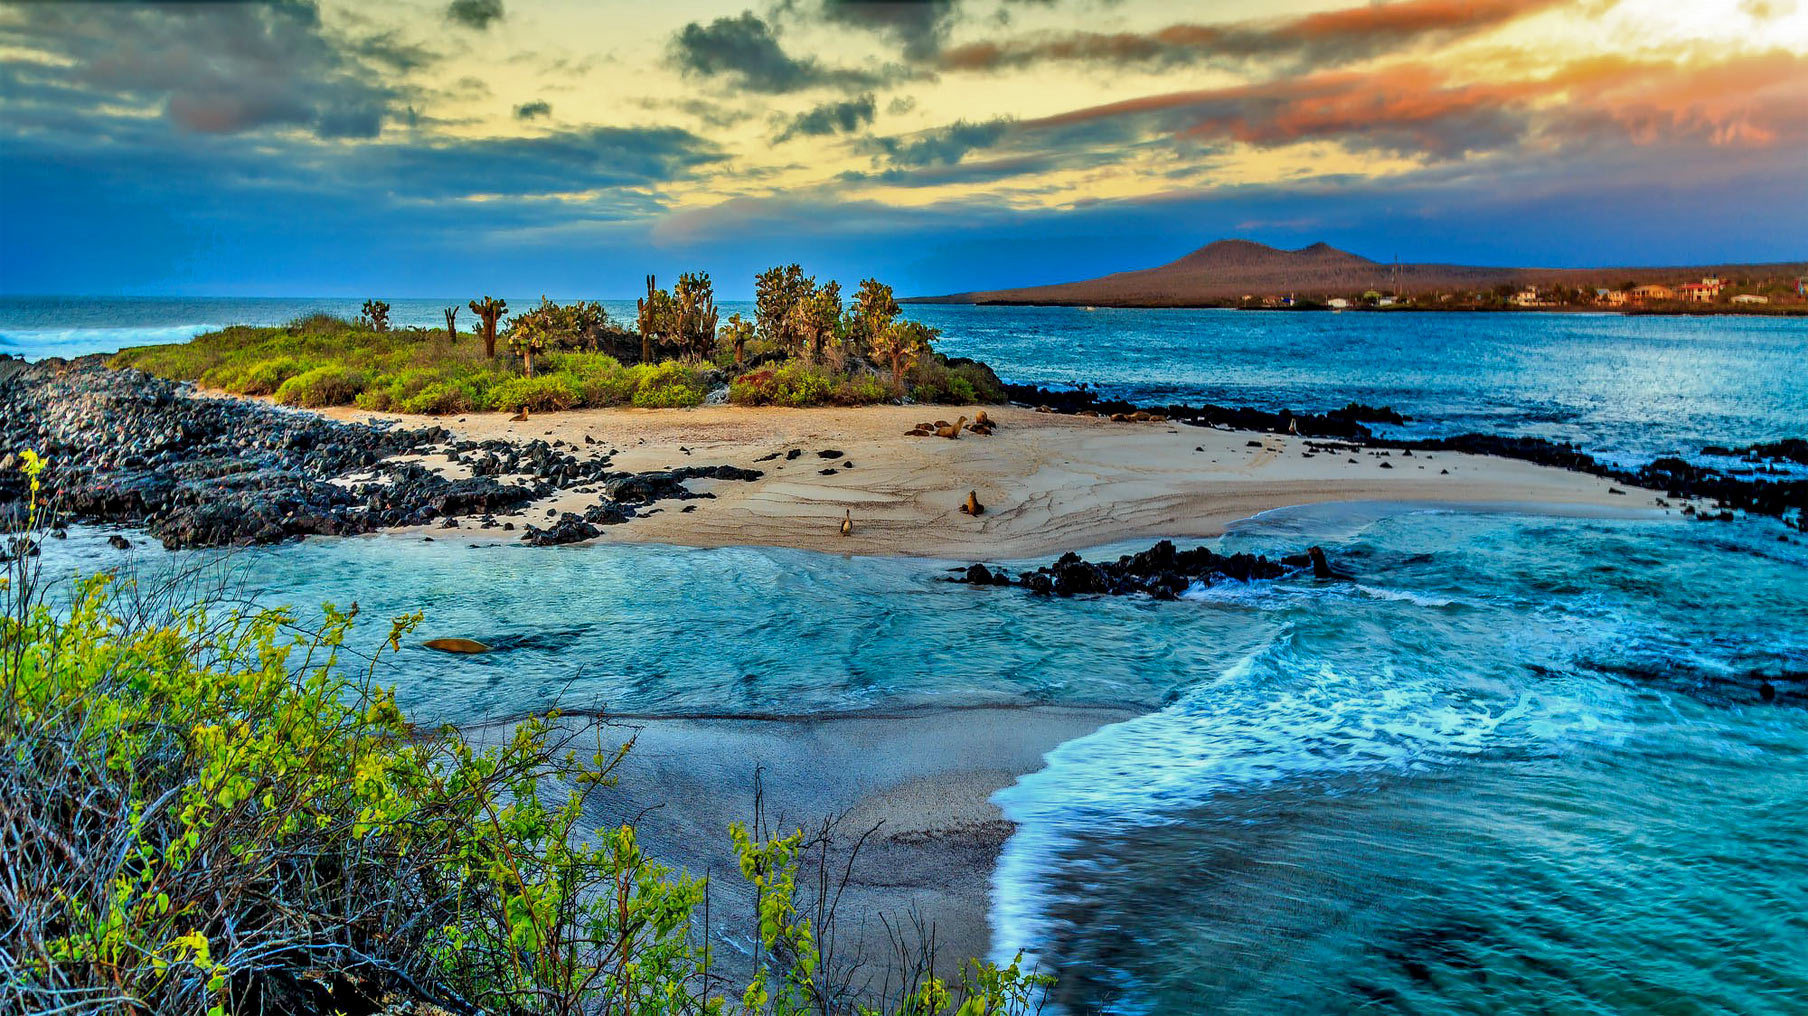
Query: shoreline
(197,468)
(932,834)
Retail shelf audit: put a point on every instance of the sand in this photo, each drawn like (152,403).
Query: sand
(916,783)
(1050,483)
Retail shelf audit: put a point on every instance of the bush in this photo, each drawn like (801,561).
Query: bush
(863,390)
(793,384)
(444,397)
(261,378)
(322,386)
(540,394)
(954,382)
(667,385)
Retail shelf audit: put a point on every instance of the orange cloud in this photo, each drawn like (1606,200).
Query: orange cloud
(1745,101)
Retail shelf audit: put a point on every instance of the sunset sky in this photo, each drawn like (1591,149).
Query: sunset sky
(504,145)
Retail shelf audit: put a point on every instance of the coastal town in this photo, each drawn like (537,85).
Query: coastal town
(1705,294)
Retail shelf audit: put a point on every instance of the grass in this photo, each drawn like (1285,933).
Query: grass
(322,361)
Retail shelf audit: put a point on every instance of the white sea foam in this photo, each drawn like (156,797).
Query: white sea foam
(37,343)
(1276,715)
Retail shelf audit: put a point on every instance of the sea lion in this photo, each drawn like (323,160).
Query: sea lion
(973,507)
(951,431)
(520,417)
(456,645)
(847,521)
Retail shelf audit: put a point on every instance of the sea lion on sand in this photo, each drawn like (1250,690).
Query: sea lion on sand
(973,507)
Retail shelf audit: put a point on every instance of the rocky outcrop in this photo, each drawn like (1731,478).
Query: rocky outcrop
(1343,423)
(1679,479)
(1163,572)
(569,529)
(128,448)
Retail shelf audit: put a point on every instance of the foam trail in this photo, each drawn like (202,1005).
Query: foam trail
(1274,716)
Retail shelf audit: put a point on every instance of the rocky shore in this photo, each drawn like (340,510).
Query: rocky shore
(1162,572)
(1756,491)
(128,448)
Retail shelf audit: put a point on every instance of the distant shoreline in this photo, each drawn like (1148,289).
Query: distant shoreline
(1759,310)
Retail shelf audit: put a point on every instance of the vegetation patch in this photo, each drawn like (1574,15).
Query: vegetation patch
(804,346)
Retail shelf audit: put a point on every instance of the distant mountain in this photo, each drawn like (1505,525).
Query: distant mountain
(1228,270)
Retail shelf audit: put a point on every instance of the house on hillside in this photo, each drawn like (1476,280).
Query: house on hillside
(1527,297)
(1652,291)
(1705,291)
(1611,297)
(1337,303)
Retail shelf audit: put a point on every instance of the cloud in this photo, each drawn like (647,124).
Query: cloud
(530,110)
(920,26)
(477,14)
(221,68)
(745,50)
(1336,36)
(831,118)
(1417,109)
(943,146)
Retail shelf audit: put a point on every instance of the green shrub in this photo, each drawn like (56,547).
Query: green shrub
(668,384)
(322,386)
(263,377)
(959,382)
(444,397)
(793,384)
(539,394)
(863,390)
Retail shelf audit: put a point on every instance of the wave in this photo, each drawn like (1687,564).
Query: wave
(1276,596)
(36,343)
(1277,716)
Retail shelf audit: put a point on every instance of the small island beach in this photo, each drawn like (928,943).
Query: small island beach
(1050,483)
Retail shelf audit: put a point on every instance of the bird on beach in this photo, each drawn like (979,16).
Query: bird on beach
(847,521)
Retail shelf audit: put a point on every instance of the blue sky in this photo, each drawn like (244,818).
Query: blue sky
(425,149)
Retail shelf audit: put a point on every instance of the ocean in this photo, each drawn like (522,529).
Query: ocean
(1521,764)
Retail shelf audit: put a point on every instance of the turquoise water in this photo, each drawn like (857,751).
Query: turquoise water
(1521,764)
(1627,388)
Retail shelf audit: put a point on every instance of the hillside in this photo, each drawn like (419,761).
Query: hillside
(1226,271)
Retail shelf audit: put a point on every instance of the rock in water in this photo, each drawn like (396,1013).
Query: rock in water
(456,645)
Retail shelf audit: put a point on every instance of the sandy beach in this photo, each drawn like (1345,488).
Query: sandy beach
(1049,483)
(915,784)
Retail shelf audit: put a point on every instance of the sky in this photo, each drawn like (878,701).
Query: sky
(435,148)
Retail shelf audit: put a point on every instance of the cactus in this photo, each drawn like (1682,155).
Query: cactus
(489,309)
(376,315)
(452,324)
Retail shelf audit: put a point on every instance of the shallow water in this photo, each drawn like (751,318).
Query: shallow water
(1521,763)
